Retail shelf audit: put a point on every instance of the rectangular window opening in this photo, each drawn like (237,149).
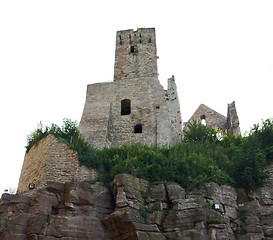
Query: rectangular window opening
(132,49)
(138,128)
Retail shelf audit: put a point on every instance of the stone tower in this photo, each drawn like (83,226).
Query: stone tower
(134,107)
(135,54)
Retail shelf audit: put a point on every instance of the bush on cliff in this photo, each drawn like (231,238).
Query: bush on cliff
(201,156)
(248,156)
(67,133)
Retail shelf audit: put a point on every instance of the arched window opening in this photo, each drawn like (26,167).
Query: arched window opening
(138,128)
(203,120)
(125,107)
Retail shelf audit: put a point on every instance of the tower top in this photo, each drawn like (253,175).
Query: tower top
(135,54)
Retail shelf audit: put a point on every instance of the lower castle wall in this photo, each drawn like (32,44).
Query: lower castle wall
(52,160)
(33,166)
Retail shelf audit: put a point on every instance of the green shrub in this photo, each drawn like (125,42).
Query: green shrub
(201,157)
(199,133)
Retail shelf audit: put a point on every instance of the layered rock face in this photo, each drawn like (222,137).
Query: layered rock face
(132,208)
(59,211)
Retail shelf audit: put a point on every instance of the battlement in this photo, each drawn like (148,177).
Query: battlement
(135,54)
(142,35)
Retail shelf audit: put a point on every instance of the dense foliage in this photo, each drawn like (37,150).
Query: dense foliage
(200,157)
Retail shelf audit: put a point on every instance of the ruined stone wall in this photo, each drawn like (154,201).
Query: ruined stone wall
(135,54)
(233,119)
(51,160)
(94,122)
(104,126)
(174,110)
(214,119)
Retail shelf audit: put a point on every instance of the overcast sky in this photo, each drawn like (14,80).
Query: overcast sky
(218,51)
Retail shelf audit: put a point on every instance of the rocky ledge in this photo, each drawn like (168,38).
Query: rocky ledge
(132,208)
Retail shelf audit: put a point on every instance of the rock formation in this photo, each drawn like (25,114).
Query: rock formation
(133,208)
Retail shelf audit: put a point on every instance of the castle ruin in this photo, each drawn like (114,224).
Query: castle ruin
(134,107)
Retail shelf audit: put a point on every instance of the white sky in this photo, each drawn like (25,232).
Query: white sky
(218,51)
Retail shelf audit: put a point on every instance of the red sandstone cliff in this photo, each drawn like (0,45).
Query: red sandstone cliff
(133,208)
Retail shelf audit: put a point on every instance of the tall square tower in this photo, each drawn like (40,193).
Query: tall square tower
(135,54)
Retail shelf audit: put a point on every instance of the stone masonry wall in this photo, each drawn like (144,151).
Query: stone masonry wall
(52,160)
(174,110)
(232,119)
(33,166)
(135,54)
(214,119)
(102,123)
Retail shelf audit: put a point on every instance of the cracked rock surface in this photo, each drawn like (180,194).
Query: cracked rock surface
(132,208)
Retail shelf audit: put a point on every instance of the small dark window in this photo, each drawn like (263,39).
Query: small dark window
(150,40)
(157,107)
(120,40)
(125,107)
(132,49)
(138,128)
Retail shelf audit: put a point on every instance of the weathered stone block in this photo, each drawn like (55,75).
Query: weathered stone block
(150,236)
(189,203)
(175,192)
(129,191)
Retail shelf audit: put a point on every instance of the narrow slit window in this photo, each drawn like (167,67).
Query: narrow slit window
(138,128)
(125,107)
(132,49)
